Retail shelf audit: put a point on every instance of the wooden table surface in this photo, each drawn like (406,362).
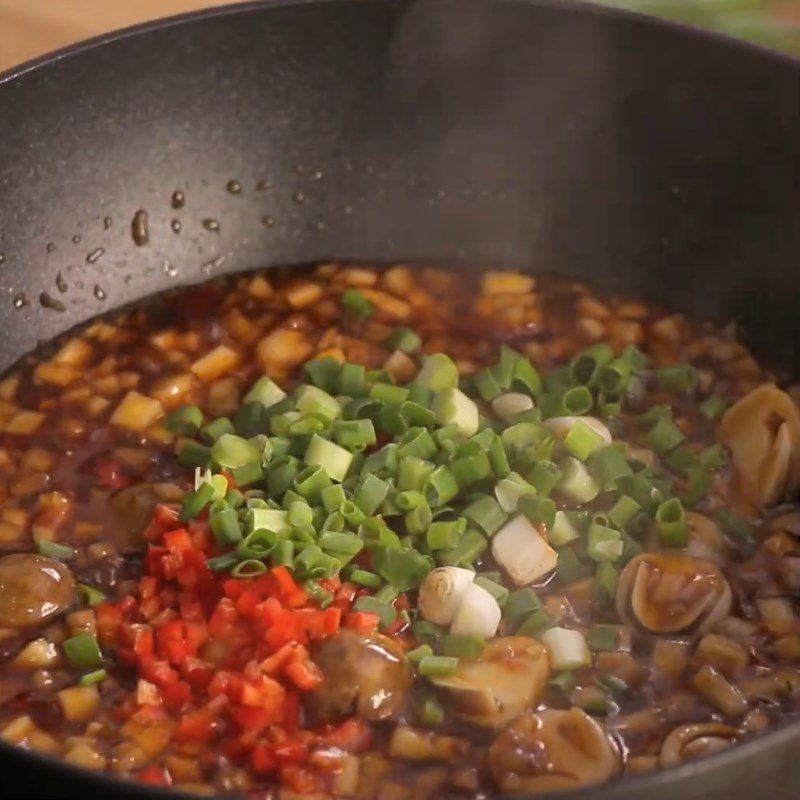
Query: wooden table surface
(30,28)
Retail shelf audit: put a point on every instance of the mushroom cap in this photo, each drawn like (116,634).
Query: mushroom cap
(505,681)
(552,749)
(672,592)
(365,674)
(695,740)
(33,589)
(762,431)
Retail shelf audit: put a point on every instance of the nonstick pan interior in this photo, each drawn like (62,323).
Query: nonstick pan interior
(555,136)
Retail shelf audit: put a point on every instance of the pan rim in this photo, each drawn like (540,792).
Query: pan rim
(623,786)
(251,6)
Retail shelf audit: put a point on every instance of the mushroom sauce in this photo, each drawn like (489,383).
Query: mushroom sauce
(389,533)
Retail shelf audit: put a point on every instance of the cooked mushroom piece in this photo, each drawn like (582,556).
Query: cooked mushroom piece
(33,589)
(552,750)
(671,593)
(706,540)
(507,679)
(133,509)
(365,674)
(692,741)
(763,433)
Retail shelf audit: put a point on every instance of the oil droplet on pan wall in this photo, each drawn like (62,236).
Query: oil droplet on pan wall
(47,301)
(233,187)
(20,301)
(176,226)
(96,254)
(178,199)
(76,239)
(99,292)
(139,228)
(107,222)
(61,284)
(211,225)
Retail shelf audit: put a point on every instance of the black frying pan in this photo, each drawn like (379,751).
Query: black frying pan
(561,137)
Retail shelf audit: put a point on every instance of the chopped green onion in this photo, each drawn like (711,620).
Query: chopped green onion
(222,563)
(371,492)
(216,428)
(323,373)
(352,379)
(486,384)
(575,402)
(418,653)
(544,477)
(569,568)
(313,479)
(437,666)
(603,543)
(606,579)
(404,339)
(471,469)
(508,491)
(678,378)
(452,407)
(538,510)
(664,436)
(321,596)
(225,526)
(468,549)
(412,473)
(576,481)
(404,569)
(562,531)
(536,624)
(673,527)
(354,433)
(364,578)
(521,603)
(585,367)
(623,511)
(332,497)
(347,544)
(82,650)
(192,454)
(604,638)
(355,302)
(258,544)
(486,514)
(581,441)
(440,487)
(383,463)
(438,373)
(416,442)
(385,612)
(409,500)
(93,596)
(270,519)
(185,421)
(418,520)
(194,502)
(713,407)
(60,552)
(468,647)
(442,535)
(283,554)
(231,451)
(249,568)
(608,465)
(90,678)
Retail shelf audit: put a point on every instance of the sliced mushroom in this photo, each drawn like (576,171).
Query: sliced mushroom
(552,750)
(508,679)
(692,741)
(133,509)
(364,674)
(672,593)
(706,540)
(33,589)
(763,433)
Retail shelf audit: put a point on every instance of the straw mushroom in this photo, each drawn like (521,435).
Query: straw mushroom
(33,589)
(763,432)
(692,741)
(706,540)
(552,750)
(672,593)
(505,681)
(367,675)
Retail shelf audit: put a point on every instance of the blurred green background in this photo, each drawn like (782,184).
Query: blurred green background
(773,23)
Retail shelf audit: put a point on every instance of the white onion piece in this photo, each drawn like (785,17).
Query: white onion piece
(561,426)
(441,593)
(568,649)
(478,614)
(453,407)
(508,405)
(523,552)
